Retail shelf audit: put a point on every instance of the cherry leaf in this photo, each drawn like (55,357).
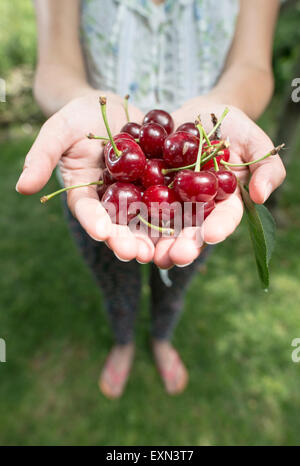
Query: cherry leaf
(262,233)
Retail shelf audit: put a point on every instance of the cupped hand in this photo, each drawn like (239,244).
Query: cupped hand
(248,142)
(62,140)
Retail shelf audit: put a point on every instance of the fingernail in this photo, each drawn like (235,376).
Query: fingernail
(20,178)
(185,265)
(122,260)
(268,190)
(18,182)
(140,262)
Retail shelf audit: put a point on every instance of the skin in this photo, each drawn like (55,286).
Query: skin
(247,68)
(246,85)
(247,142)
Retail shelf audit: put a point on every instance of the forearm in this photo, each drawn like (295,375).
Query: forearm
(247,80)
(248,88)
(60,75)
(56,84)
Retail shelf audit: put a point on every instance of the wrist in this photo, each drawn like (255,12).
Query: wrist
(52,98)
(218,97)
(214,97)
(228,99)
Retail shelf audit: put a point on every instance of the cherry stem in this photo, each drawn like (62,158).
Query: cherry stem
(209,144)
(92,136)
(216,165)
(47,198)
(198,162)
(165,171)
(102,101)
(274,151)
(197,122)
(126,98)
(214,120)
(217,148)
(155,227)
(220,121)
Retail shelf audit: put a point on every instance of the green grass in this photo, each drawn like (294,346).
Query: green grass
(17,35)
(235,339)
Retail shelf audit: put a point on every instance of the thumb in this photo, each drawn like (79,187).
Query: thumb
(268,174)
(52,141)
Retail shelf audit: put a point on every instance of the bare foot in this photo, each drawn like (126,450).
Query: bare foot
(170,366)
(116,370)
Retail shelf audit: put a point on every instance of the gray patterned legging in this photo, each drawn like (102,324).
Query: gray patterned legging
(120,284)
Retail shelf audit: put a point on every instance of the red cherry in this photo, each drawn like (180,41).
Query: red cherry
(180,149)
(129,165)
(227,184)
(193,186)
(132,128)
(188,128)
(225,156)
(118,137)
(209,207)
(140,188)
(169,178)
(161,117)
(122,196)
(101,190)
(107,177)
(151,139)
(193,213)
(102,159)
(152,173)
(123,135)
(158,200)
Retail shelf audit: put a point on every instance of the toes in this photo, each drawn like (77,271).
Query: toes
(111,392)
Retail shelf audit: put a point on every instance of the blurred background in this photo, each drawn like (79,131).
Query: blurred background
(234,338)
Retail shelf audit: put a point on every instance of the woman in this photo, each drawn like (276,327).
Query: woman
(186,57)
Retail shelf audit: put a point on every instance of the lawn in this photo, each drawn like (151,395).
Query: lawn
(235,339)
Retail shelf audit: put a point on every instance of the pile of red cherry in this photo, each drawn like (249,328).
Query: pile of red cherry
(153,164)
(152,172)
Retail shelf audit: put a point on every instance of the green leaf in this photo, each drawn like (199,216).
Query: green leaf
(262,232)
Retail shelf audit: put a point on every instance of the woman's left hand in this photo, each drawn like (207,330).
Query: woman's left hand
(247,142)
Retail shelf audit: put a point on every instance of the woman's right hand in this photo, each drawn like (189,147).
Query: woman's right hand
(62,140)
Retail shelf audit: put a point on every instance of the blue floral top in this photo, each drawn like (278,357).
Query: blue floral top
(162,55)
